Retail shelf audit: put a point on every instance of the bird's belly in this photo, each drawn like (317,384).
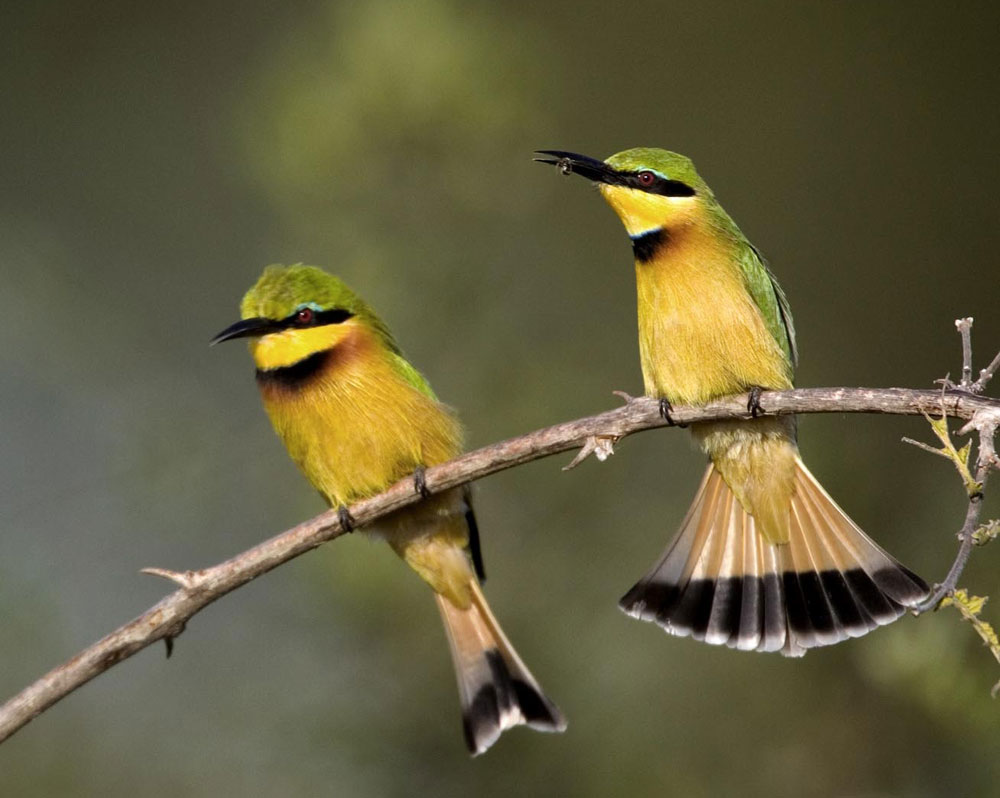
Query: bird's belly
(344,458)
(684,366)
(695,348)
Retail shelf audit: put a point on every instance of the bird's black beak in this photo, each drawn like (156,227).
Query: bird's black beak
(583,165)
(246,328)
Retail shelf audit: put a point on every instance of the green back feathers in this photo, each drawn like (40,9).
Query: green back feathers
(281,290)
(757,277)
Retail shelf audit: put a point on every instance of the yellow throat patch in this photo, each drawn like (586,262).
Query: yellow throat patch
(641,212)
(287,347)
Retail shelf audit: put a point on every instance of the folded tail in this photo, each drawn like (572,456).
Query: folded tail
(720,581)
(496,689)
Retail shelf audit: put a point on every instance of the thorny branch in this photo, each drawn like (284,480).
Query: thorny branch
(985,422)
(197,589)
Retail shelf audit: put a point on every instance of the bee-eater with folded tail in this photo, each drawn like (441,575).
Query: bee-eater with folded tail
(764,560)
(357,417)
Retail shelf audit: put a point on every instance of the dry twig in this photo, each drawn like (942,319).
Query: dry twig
(985,422)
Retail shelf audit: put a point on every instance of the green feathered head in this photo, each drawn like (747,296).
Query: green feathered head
(283,291)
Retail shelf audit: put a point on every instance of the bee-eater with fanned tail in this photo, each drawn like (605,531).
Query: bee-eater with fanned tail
(764,560)
(357,417)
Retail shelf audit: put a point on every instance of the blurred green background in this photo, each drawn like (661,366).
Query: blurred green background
(156,156)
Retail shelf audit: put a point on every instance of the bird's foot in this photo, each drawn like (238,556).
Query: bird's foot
(420,482)
(347,522)
(665,410)
(171,636)
(753,402)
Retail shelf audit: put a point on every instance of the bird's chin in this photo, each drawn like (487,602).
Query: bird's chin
(633,208)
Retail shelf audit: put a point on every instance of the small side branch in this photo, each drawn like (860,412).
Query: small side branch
(986,375)
(985,422)
(198,589)
(966,542)
(964,327)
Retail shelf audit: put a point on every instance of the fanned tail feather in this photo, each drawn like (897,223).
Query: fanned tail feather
(497,690)
(720,581)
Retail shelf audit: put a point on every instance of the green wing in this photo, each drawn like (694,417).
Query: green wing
(403,366)
(770,299)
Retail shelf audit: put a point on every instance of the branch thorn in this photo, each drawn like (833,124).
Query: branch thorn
(601,446)
(186,579)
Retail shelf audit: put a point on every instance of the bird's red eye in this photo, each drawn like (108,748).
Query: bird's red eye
(646,178)
(304,315)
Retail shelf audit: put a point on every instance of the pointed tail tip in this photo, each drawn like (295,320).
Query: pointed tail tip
(506,701)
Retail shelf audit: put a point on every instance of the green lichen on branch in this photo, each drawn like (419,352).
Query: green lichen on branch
(986,533)
(970,608)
